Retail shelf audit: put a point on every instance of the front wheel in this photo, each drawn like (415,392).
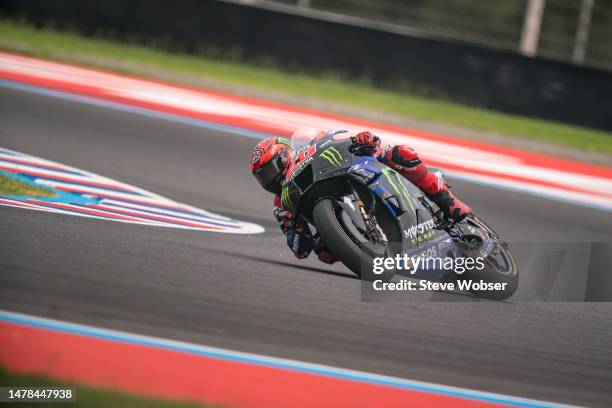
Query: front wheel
(343,238)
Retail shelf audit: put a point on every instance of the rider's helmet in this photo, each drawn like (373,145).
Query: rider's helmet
(269,160)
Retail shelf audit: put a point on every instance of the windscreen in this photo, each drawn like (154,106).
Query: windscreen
(306,136)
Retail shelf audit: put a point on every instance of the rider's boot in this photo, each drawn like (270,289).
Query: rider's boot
(450,205)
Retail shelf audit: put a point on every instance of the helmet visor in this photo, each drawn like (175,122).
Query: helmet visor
(269,175)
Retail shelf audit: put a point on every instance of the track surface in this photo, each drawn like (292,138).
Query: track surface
(248,293)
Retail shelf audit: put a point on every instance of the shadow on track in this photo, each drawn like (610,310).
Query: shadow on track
(292,265)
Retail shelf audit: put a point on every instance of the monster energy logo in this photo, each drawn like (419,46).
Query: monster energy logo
(400,188)
(286,198)
(284,140)
(333,156)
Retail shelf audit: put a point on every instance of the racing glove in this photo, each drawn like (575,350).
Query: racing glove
(368,140)
(300,243)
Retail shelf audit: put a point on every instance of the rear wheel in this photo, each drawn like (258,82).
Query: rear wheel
(499,267)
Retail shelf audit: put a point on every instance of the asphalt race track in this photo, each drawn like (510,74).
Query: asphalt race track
(248,293)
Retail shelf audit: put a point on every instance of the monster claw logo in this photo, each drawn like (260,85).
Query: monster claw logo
(400,189)
(283,140)
(286,200)
(333,156)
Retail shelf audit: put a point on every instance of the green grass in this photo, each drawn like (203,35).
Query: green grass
(139,59)
(86,397)
(11,186)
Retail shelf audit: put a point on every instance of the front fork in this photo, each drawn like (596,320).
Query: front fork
(373,230)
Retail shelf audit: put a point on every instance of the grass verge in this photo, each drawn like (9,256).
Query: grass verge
(46,42)
(86,397)
(11,186)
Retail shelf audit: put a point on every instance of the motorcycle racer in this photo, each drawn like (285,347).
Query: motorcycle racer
(270,160)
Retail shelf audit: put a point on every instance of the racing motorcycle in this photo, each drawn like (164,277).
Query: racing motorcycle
(363,210)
